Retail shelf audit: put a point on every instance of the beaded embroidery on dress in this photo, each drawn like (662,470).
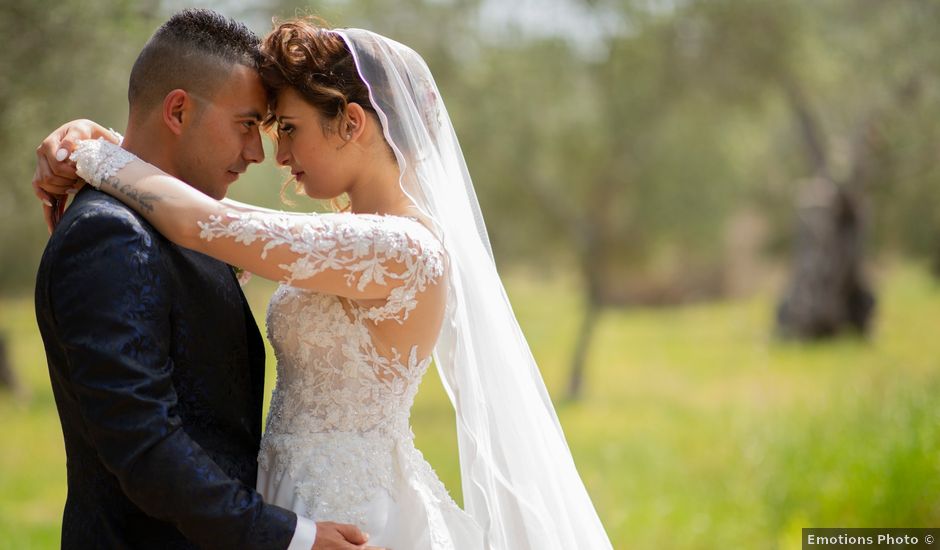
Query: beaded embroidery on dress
(338,445)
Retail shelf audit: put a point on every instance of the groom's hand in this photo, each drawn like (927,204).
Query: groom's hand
(340,536)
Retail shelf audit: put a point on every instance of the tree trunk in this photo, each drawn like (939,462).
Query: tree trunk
(588,236)
(828,292)
(583,345)
(7,378)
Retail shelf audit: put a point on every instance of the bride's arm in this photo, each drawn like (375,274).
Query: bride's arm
(359,257)
(244,207)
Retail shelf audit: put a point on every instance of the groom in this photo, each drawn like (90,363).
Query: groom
(156,364)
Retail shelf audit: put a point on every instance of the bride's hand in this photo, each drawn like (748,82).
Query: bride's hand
(55,178)
(340,536)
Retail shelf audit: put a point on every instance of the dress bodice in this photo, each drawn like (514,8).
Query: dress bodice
(330,376)
(338,426)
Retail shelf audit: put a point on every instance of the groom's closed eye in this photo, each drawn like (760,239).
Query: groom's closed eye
(249,119)
(249,127)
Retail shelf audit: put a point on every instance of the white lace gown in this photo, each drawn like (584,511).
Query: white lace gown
(338,445)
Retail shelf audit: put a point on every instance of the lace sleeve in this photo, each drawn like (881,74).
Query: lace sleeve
(371,256)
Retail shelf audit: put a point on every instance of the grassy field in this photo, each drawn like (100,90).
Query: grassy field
(697,430)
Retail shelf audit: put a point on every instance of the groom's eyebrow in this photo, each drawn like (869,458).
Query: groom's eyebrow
(253,114)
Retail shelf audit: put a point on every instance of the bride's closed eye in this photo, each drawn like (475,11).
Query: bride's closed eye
(284,128)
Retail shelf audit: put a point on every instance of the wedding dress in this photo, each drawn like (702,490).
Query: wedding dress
(338,445)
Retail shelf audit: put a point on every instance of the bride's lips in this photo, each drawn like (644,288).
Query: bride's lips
(297,175)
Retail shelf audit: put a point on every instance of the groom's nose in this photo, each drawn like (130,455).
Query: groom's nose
(254,149)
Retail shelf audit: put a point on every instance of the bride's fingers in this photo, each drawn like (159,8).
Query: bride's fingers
(48,214)
(41,193)
(53,206)
(50,145)
(60,162)
(59,208)
(48,181)
(73,133)
(54,214)
(56,154)
(46,199)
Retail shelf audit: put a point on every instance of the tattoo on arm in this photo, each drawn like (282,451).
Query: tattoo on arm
(143,199)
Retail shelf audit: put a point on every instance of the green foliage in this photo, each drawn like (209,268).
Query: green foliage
(60,61)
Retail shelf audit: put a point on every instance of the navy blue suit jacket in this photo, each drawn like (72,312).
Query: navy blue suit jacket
(157,368)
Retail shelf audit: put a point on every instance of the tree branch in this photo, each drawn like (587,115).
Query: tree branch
(809,125)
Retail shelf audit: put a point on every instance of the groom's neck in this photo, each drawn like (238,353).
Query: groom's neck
(150,146)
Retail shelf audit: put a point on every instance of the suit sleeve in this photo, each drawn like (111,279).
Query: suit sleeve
(112,308)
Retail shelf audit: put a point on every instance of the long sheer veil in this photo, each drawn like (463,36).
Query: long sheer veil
(519,480)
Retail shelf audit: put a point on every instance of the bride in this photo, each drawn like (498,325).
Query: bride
(368,296)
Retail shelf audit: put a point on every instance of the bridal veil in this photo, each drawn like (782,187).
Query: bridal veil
(519,480)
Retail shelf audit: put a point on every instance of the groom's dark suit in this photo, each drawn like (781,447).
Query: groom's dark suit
(158,370)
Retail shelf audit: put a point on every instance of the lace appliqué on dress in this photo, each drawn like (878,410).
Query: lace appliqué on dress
(98,160)
(338,424)
(369,248)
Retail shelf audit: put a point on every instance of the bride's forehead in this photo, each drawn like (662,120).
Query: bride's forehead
(289,99)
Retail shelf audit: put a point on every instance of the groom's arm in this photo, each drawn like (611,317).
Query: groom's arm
(112,311)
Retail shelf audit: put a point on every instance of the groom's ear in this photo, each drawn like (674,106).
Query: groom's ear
(177,107)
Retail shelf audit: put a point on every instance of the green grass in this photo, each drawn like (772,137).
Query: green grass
(697,430)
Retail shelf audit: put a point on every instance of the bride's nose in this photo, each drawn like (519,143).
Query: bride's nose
(283,152)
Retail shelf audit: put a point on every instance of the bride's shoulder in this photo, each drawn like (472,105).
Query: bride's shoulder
(388,233)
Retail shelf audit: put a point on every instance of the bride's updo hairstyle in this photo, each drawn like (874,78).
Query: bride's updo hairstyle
(304,55)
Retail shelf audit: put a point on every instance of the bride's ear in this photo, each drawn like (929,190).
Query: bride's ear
(355,122)
(176,107)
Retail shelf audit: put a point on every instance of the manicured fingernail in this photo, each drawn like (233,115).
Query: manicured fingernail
(47,203)
(71,191)
(61,155)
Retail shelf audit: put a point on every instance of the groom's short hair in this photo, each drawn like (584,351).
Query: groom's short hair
(193,51)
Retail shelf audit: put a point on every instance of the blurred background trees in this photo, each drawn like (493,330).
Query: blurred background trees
(59,60)
(663,152)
